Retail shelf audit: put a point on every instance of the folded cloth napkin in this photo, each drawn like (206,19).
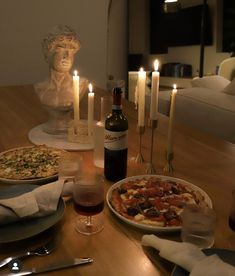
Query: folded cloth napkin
(189,257)
(212,266)
(39,202)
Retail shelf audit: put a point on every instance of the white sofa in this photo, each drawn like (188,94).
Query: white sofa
(208,106)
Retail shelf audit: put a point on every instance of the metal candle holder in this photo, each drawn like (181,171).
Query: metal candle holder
(169,158)
(139,158)
(150,168)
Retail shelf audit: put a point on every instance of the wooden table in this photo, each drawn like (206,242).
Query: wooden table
(203,160)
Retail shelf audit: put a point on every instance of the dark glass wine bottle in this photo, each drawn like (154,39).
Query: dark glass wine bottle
(116,140)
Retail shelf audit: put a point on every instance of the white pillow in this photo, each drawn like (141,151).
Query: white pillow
(212,82)
(230,89)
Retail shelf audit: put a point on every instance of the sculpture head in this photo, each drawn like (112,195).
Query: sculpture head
(59,48)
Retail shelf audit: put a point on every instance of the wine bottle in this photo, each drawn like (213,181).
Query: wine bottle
(116,140)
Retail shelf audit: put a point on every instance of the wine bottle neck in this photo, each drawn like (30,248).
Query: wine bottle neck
(116,107)
(117,103)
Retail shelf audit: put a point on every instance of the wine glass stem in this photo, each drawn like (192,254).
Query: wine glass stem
(88,221)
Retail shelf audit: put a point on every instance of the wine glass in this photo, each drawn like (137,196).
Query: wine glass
(88,197)
(69,166)
(232,212)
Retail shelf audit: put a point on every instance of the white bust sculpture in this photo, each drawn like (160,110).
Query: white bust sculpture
(56,92)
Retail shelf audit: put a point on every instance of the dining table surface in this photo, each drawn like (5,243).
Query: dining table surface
(199,158)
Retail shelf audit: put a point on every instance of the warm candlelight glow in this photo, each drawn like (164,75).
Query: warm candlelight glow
(90,109)
(141,96)
(154,92)
(76,92)
(156,64)
(90,87)
(171,120)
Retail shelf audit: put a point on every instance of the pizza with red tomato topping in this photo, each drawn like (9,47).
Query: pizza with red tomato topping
(154,200)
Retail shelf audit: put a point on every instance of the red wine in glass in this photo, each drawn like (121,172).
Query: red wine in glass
(88,199)
(89,204)
(231,219)
(231,222)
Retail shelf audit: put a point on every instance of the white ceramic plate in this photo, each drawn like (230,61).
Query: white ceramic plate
(37,136)
(27,181)
(25,229)
(151,227)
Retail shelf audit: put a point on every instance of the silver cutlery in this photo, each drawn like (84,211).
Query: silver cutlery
(40,251)
(53,267)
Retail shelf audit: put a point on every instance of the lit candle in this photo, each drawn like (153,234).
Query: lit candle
(76,98)
(171,120)
(141,96)
(90,110)
(154,92)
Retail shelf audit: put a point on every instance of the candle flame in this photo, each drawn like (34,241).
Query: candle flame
(90,87)
(156,64)
(141,69)
(75,73)
(174,86)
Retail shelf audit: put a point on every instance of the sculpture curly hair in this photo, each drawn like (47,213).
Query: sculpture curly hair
(59,34)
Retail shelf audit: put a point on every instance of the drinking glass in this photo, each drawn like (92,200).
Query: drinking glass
(232,212)
(198,225)
(70,165)
(105,110)
(88,197)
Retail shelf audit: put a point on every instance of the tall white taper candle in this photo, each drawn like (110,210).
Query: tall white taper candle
(154,92)
(76,98)
(141,97)
(171,121)
(90,110)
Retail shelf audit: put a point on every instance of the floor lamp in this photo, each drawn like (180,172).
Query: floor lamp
(202,41)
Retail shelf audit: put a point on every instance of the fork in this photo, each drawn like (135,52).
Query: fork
(40,251)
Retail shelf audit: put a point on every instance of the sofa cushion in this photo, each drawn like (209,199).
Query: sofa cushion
(206,109)
(230,88)
(211,82)
(209,97)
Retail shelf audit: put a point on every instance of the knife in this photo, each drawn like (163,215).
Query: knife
(53,267)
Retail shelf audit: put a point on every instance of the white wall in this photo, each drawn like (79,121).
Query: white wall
(24,23)
(117,43)
(138,26)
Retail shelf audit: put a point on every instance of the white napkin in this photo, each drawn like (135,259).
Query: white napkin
(41,201)
(212,266)
(189,257)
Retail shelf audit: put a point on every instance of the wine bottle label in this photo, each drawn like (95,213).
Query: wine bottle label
(115,140)
(116,107)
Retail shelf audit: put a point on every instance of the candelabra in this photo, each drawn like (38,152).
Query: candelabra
(150,168)
(169,158)
(139,158)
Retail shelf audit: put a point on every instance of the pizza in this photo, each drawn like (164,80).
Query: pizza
(29,162)
(154,201)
